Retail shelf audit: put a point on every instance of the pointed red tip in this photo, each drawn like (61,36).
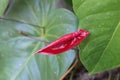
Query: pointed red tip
(84,32)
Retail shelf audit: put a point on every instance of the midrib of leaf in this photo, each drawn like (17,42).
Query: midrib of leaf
(33,12)
(46,74)
(106,47)
(22,67)
(59,60)
(33,52)
(44,14)
(30,73)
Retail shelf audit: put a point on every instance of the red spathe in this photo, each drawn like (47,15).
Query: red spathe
(64,43)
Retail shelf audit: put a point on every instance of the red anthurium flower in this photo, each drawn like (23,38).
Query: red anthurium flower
(64,43)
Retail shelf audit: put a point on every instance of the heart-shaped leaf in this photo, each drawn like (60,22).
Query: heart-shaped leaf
(17,52)
(3,5)
(101,50)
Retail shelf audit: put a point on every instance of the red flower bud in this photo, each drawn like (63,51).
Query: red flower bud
(65,42)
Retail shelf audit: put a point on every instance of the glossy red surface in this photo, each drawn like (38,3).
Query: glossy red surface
(64,43)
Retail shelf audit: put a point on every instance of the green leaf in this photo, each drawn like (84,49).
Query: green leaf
(3,5)
(100,51)
(17,52)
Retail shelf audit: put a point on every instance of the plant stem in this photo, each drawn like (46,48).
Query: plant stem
(70,69)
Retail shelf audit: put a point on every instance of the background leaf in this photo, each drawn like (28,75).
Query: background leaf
(17,52)
(3,5)
(100,51)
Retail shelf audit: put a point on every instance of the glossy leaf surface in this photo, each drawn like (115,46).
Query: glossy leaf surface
(101,18)
(3,6)
(17,52)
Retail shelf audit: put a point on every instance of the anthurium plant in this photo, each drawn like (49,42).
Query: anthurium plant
(39,41)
